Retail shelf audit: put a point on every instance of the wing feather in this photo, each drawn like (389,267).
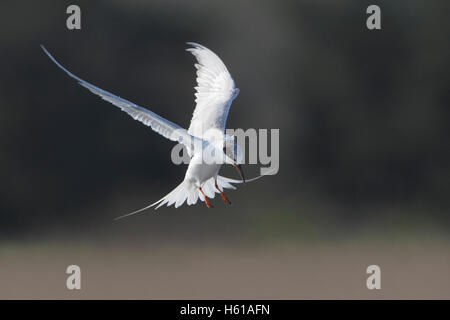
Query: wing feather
(215,91)
(160,125)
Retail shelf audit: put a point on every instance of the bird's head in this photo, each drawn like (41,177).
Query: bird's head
(234,154)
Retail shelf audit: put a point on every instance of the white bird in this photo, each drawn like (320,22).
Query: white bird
(215,91)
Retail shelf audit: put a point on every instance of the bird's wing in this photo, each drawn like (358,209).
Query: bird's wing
(215,91)
(162,126)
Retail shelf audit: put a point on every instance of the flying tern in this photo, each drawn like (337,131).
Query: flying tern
(215,91)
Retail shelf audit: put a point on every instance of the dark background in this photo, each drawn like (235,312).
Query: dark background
(363,118)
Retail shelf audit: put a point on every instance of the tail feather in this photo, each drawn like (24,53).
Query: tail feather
(179,195)
(192,198)
(184,191)
(140,210)
(225,183)
(209,189)
(188,192)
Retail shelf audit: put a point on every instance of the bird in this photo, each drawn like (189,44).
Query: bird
(204,139)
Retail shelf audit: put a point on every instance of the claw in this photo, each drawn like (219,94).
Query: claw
(222,194)
(207,202)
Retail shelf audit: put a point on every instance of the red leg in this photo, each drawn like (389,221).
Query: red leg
(207,202)
(224,197)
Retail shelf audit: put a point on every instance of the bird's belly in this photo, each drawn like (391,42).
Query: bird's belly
(201,172)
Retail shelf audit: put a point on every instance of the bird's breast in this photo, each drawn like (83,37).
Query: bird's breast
(201,172)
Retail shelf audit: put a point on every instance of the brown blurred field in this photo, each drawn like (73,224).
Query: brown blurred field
(413,271)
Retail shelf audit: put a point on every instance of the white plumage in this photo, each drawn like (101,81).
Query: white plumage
(215,92)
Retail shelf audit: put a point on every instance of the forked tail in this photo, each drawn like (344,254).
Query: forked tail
(184,191)
(188,192)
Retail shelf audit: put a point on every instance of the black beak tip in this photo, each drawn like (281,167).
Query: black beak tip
(239,169)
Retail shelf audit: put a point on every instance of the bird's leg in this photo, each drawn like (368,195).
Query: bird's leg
(208,204)
(224,197)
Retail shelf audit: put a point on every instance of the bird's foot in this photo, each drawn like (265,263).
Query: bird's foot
(207,202)
(224,198)
(222,194)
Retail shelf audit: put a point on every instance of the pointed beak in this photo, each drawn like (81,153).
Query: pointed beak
(239,169)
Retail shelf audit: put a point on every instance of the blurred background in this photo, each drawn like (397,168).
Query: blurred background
(364,154)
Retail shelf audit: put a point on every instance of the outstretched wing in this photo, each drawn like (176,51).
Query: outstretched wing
(215,91)
(162,126)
